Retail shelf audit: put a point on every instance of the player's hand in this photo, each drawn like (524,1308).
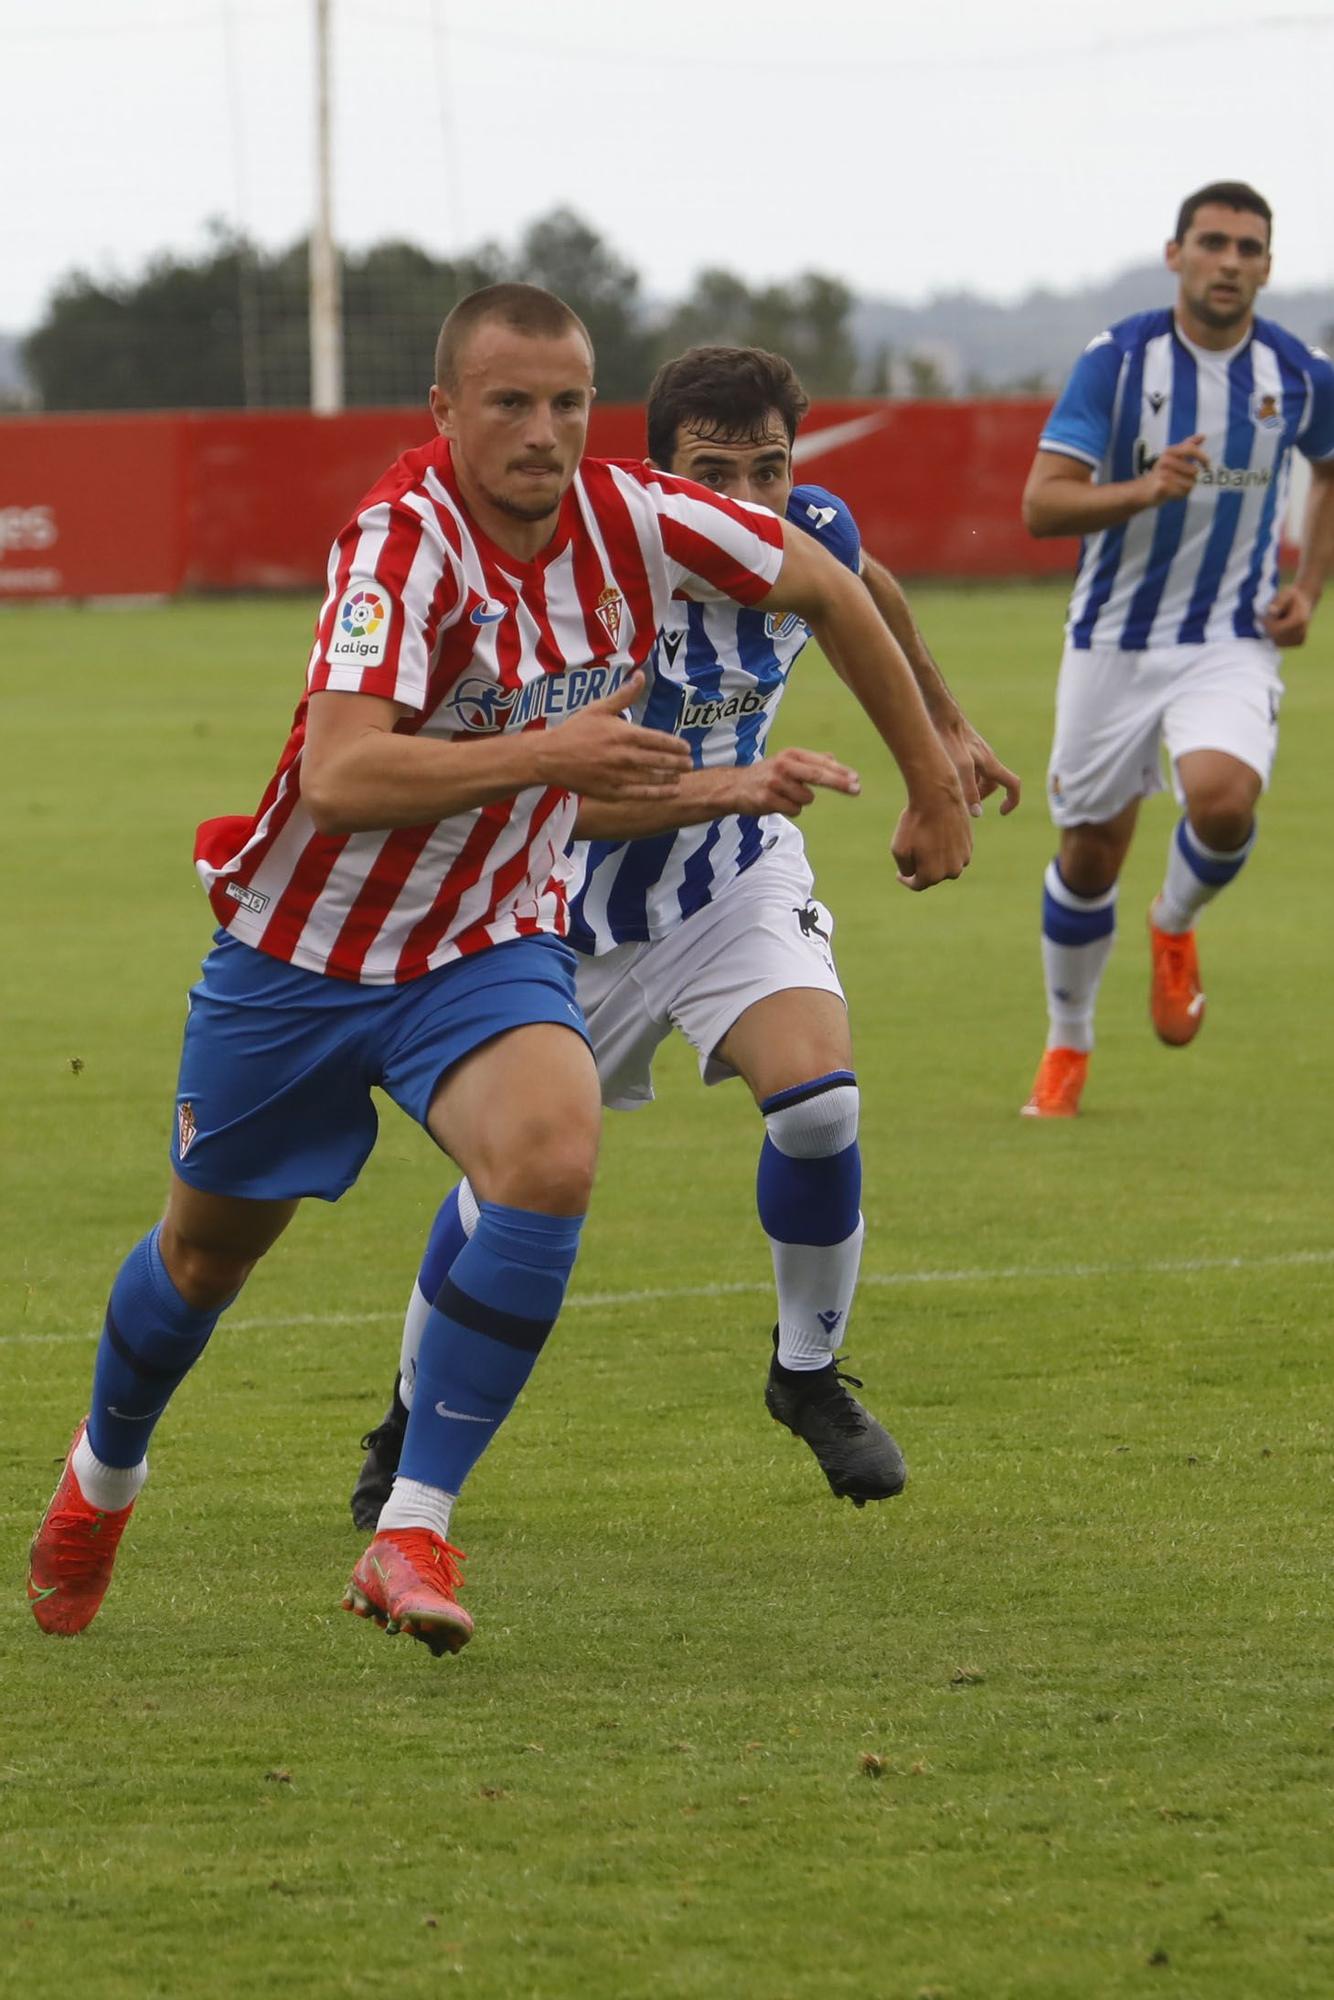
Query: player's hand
(1174,471)
(933,840)
(977,767)
(789,781)
(1288,619)
(602,756)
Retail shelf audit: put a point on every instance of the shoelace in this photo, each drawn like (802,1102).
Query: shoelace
(842,1411)
(431,1557)
(1066,1081)
(382,1434)
(1177,976)
(80,1544)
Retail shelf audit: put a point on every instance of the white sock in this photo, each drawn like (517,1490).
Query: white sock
(420,1308)
(816,1283)
(1195,874)
(412,1504)
(1078,933)
(106,1487)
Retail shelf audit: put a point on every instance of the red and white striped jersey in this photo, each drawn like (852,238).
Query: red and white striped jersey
(425,610)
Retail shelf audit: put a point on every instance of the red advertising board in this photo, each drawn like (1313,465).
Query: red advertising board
(125,506)
(92,507)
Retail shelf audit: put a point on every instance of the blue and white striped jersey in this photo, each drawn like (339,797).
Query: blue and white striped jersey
(715,677)
(1206,567)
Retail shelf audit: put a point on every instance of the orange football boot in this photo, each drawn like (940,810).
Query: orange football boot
(72,1555)
(1058,1084)
(1176,999)
(406,1582)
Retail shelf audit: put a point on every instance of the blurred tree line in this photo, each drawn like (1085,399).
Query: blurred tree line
(227,328)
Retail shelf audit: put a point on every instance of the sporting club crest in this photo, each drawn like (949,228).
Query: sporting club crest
(609,608)
(186,1128)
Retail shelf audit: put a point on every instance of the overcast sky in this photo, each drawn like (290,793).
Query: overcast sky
(908,149)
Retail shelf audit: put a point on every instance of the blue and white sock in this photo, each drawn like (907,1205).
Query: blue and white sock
(1078,933)
(808,1191)
(487,1326)
(1195,874)
(454,1225)
(150,1341)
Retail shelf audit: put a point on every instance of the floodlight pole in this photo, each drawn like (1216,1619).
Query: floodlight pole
(326,318)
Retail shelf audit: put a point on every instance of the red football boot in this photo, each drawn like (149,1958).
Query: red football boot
(406,1582)
(72,1555)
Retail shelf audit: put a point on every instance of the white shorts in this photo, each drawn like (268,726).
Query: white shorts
(1115,711)
(764,934)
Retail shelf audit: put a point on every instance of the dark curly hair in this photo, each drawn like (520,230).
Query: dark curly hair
(722,392)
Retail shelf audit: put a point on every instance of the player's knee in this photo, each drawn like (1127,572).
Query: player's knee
(549,1171)
(1223,817)
(205,1277)
(1090,859)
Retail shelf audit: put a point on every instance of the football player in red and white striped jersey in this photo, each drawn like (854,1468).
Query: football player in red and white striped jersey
(393,913)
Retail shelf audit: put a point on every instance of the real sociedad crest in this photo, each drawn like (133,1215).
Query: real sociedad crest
(609,608)
(1267,409)
(781,625)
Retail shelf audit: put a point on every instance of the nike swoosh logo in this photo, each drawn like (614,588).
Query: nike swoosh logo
(812,444)
(133,1416)
(36,1596)
(1197,1004)
(461,1416)
(481,616)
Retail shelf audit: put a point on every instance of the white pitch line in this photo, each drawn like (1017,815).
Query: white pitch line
(598,1301)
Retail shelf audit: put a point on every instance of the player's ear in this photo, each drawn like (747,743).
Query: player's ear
(441,411)
(1172,254)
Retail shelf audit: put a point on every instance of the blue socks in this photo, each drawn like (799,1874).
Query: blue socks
(1078,933)
(493,1309)
(808,1191)
(150,1341)
(1195,874)
(446,1239)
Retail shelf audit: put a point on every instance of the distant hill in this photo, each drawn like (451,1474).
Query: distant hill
(975,342)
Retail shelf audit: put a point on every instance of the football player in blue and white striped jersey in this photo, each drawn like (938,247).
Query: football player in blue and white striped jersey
(712,927)
(1170,451)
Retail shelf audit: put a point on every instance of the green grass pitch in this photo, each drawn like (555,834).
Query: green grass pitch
(1056,1725)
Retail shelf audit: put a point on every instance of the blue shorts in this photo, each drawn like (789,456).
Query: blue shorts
(274,1097)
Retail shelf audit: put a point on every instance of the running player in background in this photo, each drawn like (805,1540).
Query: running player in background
(393,911)
(713,930)
(1170,452)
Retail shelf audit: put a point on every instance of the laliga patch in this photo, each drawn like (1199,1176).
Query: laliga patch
(362,624)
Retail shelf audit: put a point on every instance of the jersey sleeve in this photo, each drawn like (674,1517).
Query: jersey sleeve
(392,585)
(827,520)
(1315,440)
(715,547)
(1080,426)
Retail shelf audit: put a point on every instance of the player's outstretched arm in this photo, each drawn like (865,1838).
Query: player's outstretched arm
(1060,497)
(782,784)
(358,776)
(979,769)
(1288,619)
(933,840)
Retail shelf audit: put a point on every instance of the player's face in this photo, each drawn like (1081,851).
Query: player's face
(757,468)
(1221,263)
(517,417)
